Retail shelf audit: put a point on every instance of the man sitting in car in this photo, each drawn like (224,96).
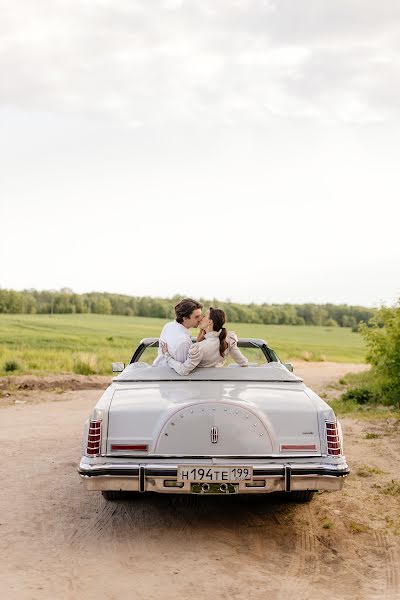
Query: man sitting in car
(176,334)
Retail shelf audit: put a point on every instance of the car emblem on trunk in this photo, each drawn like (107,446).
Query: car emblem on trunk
(214,435)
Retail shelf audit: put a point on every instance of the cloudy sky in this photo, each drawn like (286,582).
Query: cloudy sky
(242,149)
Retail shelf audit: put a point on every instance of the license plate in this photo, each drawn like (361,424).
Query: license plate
(215,474)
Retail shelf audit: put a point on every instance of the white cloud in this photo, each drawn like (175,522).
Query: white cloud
(147,62)
(273,123)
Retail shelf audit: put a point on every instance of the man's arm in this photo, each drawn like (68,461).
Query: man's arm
(159,353)
(194,357)
(180,351)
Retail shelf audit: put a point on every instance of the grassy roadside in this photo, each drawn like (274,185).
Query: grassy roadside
(367,413)
(40,344)
(335,395)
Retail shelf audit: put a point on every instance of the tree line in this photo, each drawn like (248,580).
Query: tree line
(65,301)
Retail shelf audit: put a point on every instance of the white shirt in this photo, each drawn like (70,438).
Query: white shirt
(179,343)
(206,354)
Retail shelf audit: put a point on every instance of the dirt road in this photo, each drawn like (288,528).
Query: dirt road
(58,541)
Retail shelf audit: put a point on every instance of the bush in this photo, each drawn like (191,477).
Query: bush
(358,527)
(85,364)
(361,395)
(11,365)
(330,323)
(381,384)
(382,336)
(392,488)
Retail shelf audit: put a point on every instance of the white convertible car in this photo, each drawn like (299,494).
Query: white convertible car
(226,430)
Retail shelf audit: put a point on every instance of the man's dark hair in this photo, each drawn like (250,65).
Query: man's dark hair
(185,307)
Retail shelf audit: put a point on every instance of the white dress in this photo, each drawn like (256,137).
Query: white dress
(206,354)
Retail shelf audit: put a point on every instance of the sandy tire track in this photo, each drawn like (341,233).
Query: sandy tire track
(390,584)
(305,559)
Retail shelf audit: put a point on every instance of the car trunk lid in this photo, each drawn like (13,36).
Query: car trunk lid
(248,419)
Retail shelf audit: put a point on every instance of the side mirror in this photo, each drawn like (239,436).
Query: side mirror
(118,367)
(289,366)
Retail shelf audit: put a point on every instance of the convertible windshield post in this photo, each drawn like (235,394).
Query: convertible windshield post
(269,354)
(138,353)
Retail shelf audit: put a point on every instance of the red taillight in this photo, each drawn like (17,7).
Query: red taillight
(94,438)
(298,447)
(122,447)
(332,438)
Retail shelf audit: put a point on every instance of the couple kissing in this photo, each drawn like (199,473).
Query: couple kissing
(213,345)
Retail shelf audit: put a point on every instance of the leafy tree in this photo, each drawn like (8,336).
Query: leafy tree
(330,323)
(101,305)
(144,308)
(382,336)
(159,309)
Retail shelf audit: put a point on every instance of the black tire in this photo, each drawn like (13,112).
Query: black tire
(301,496)
(112,495)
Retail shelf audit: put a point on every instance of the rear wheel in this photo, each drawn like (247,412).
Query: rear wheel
(301,496)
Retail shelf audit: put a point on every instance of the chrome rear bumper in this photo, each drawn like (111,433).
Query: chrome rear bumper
(160,478)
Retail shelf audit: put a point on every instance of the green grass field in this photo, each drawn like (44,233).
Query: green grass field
(41,344)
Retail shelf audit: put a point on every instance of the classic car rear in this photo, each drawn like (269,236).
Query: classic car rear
(216,431)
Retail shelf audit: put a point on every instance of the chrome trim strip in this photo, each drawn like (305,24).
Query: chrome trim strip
(156,470)
(146,457)
(268,381)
